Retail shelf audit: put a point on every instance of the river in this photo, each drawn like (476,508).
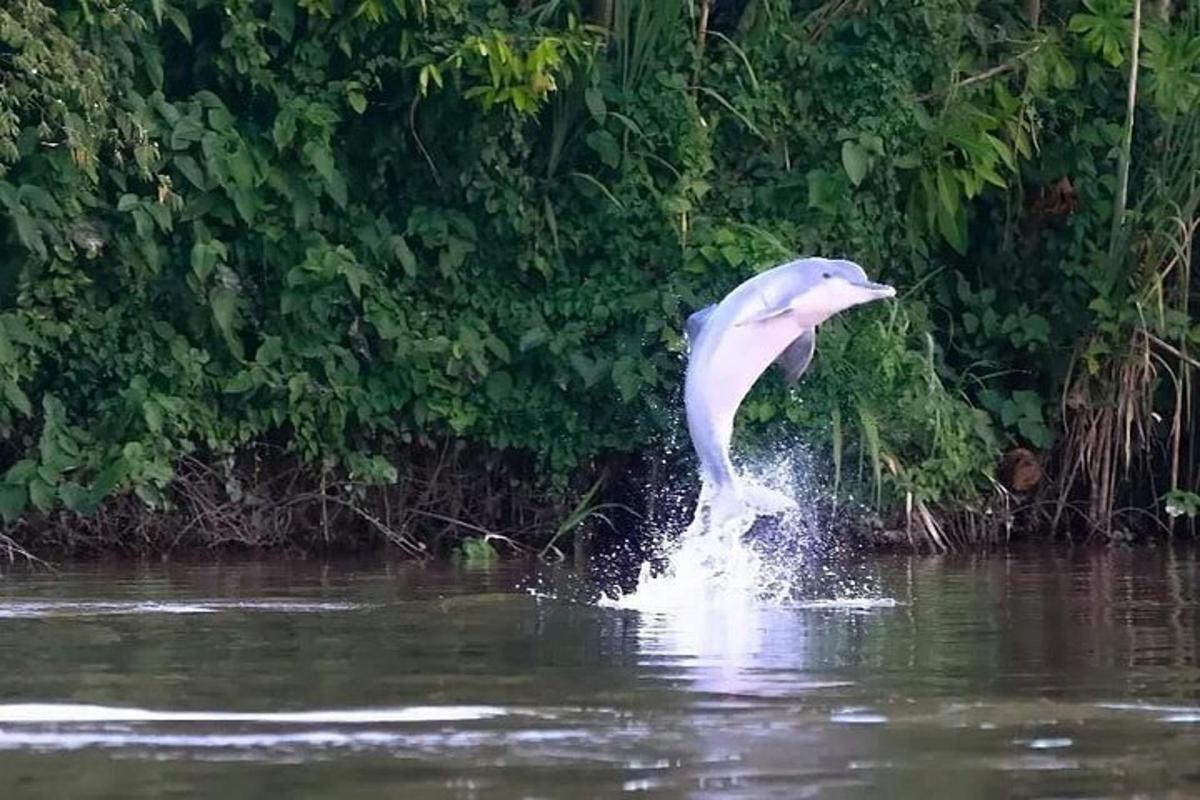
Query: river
(1026,673)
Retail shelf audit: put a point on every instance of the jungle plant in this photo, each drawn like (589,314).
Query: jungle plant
(395,249)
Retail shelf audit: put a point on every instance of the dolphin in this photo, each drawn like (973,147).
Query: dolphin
(771,317)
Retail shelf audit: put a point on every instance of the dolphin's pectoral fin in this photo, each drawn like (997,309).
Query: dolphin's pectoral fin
(695,323)
(798,355)
(764,316)
(770,309)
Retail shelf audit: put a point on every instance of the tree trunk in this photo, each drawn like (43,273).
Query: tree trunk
(1127,144)
(602,14)
(701,38)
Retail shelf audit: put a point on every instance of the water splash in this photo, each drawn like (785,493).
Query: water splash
(789,559)
(700,567)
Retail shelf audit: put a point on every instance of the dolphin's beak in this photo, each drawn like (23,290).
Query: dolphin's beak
(880,290)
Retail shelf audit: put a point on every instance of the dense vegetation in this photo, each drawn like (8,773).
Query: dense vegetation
(424,263)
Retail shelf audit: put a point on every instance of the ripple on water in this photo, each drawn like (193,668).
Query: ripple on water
(34,609)
(849,603)
(79,740)
(1049,743)
(1165,713)
(63,713)
(424,731)
(858,716)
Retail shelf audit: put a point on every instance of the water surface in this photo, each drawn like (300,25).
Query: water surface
(1029,674)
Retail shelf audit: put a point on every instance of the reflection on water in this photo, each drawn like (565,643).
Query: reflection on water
(1038,673)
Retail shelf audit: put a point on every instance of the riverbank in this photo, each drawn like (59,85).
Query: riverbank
(453,502)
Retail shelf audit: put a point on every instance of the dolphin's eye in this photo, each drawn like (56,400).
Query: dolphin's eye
(827,275)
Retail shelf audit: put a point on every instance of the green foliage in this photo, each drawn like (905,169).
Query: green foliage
(347,228)
(876,390)
(476,552)
(1104,28)
(1178,502)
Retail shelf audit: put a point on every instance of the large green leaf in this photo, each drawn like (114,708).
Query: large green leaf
(13,499)
(856,161)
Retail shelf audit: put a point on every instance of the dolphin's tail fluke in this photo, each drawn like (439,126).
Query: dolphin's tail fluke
(738,500)
(726,504)
(767,501)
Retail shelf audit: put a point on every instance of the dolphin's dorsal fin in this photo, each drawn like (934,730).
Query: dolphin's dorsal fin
(795,359)
(695,323)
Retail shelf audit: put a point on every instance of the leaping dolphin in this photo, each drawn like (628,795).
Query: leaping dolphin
(771,317)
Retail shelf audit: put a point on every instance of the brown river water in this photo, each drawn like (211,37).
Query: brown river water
(1028,673)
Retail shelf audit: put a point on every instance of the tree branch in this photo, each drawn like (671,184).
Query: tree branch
(987,74)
